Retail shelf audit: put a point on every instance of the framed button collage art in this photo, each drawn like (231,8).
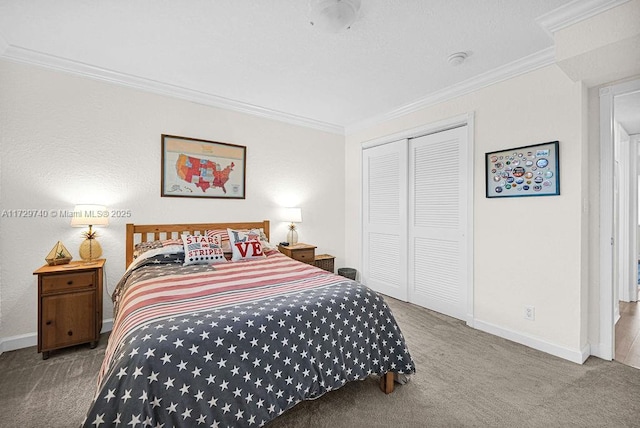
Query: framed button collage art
(524,171)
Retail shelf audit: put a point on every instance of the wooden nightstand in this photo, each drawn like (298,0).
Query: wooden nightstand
(302,252)
(69,305)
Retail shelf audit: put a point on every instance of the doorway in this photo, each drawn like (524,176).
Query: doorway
(626,139)
(619,130)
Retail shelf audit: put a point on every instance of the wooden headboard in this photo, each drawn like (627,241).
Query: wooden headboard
(152,232)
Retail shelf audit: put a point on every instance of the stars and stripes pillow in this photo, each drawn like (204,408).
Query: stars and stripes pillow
(202,249)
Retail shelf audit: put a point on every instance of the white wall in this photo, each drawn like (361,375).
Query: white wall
(67,140)
(528,251)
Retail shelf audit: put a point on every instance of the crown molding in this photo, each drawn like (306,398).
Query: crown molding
(22,55)
(532,62)
(573,12)
(524,65)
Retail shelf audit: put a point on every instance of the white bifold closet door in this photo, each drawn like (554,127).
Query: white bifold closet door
(438,194)
(415,196)
(384,172)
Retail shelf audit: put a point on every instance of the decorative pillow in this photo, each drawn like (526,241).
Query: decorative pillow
(216,238)
(225,243)
(202,249)
(223,236)
(245,244)
(143,247)
(266,245)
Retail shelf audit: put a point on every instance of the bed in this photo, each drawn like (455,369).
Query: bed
(234,343)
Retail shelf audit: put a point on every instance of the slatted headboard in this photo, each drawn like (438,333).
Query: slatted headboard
(152,232)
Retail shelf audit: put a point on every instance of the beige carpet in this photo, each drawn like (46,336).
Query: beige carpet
(465,378)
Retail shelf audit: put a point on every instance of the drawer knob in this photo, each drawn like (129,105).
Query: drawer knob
(70,333)
(48,322)
(69,282)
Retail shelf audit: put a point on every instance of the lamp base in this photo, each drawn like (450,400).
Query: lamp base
(292,237)
(90,249)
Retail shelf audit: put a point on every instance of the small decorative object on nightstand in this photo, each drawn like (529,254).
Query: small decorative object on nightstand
(325,261)
(58,255)
(69,305)
(302,252)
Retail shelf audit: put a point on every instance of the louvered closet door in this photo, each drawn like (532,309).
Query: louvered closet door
(385,218)
(438,221)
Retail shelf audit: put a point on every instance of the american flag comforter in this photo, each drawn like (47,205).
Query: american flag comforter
(237,344)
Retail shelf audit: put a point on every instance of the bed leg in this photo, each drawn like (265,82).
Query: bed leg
(386,383)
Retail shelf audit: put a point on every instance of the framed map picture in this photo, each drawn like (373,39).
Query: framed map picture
(196,168)
(524,171)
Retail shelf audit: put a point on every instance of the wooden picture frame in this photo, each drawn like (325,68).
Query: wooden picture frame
(195,168)
(523,171)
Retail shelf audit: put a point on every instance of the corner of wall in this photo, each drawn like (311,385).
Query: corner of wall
(585,229)
(603,47)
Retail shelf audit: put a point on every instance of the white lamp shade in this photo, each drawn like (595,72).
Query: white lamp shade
(90,215)
(293,215)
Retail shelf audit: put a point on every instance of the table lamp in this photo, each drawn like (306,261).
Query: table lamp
(90,215)
(293,215)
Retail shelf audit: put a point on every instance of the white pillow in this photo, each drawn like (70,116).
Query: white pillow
(201,250)
(245,244)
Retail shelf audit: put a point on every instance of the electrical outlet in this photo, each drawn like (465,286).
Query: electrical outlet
(530,313)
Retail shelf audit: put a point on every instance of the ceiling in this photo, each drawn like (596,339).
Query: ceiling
(265,57)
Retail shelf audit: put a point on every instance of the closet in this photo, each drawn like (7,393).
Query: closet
(417,203)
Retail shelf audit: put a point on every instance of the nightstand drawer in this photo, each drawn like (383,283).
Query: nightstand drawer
(69,281)
(304,253)
(305,256)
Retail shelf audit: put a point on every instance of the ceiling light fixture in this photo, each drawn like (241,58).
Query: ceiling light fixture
(332,16)
(457,58)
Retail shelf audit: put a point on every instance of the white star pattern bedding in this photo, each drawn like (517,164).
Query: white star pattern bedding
(237,344)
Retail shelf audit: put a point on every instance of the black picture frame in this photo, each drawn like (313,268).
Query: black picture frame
(195,168)
(523,171)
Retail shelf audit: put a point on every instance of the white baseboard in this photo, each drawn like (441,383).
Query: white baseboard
(18,342)
(31,339)
(575,356)
(107,325)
